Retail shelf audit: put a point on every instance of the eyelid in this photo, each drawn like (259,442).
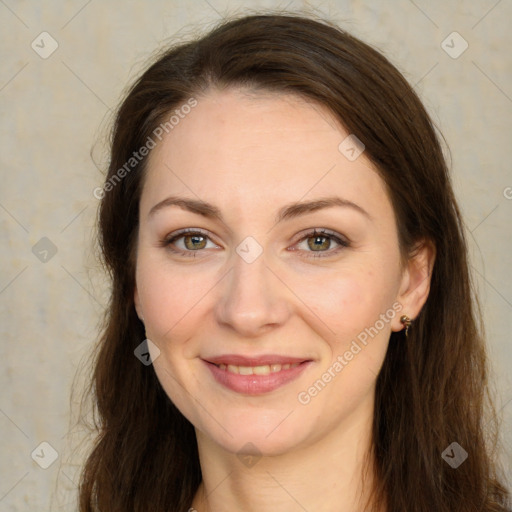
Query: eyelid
(322,232)
(341,240)
(175,235)
(185,231)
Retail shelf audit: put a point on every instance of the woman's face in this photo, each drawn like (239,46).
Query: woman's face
(251,287)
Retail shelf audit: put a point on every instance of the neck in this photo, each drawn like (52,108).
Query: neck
(332,474)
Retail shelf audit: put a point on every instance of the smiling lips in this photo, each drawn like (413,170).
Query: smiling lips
(255,375)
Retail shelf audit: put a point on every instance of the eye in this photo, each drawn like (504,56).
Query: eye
(320,242)
(188,242)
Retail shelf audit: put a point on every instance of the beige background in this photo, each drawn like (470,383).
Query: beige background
(54,111)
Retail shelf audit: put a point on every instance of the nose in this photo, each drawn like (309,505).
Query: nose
(253,298)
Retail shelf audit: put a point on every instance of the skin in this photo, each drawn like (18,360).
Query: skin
(251,153)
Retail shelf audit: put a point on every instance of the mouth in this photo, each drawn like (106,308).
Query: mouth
(265,369)
(254,376)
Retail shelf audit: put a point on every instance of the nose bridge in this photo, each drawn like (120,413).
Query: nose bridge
(252,297)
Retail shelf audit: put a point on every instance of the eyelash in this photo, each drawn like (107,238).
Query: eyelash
(324,233)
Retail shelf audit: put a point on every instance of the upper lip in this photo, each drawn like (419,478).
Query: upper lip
(266,359)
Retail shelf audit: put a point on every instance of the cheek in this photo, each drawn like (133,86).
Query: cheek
(169,298)
(357,309)
(349,301)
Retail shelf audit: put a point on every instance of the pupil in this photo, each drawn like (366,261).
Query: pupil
(194,241)
(319,241)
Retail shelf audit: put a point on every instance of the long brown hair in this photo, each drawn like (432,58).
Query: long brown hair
(432,389)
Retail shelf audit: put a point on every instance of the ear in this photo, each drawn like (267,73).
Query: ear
(138,307)
(415,283)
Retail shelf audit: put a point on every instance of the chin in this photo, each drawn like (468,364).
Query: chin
(257,433)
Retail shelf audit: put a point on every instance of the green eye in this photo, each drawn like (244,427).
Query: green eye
(320,242)
(193,242)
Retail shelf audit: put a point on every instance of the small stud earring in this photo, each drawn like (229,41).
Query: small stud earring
(407,323)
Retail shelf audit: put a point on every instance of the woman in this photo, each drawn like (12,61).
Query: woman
(286,250)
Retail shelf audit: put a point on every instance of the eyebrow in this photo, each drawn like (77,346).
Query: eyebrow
(287,212)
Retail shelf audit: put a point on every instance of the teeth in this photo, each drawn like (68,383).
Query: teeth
(261,370)
(257,370)
(245,370)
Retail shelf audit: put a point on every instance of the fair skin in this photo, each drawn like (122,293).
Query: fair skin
(250,155)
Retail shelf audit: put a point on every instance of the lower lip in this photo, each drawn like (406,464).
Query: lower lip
(255,384)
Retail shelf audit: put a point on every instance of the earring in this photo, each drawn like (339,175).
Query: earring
(407,323)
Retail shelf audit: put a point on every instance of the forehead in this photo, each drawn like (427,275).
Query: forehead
(252,150)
